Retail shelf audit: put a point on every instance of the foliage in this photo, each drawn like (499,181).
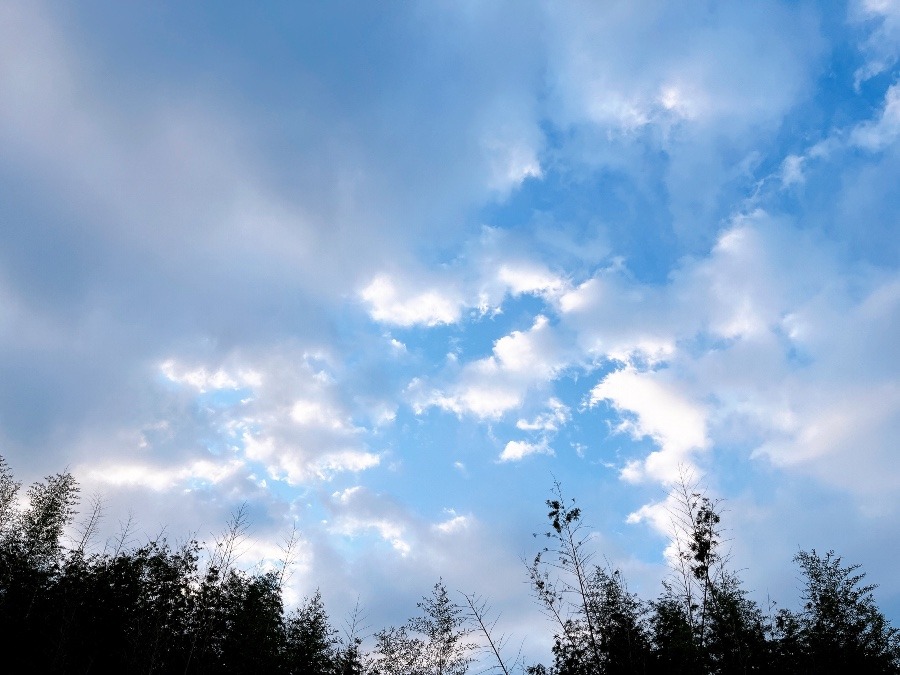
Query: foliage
(433,643)
(704,620)
(150,608)
(310,641)
(600,625)
(839,628)
(156,608)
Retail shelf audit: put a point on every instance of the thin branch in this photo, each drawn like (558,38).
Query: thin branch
(125,532)
(226,552)
(289,551)
(478,611)
(89,529)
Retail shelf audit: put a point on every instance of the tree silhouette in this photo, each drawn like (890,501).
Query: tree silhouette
(433,643)
(839,627)
(310,640)
(704,620)
(600,624)
(188,610)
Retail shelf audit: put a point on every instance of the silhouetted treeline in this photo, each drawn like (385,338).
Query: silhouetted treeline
(704,620)
(155,608)
(145,609)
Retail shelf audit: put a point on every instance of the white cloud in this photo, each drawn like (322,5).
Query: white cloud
(708,356)
(882,43)
(835,418)
(833,426)
(767,292)
(792,170)
(430,308)
(298,464)
(204,380)
(482,400)
(874,135)
(163,479)
(520,351)
(884,131)
(454,523)
(661,412)
(518,450)
(398,346)
(311,413)
(682,102)
(697,69)
(741,304)
(707,92)
(387,530)
(618,319)
(556,416)
(357,510)
(511,163)
(293,419)
(530,279)
(490,387)
(658,514)
(766,342)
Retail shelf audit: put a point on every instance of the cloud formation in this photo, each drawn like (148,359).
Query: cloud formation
(379,272)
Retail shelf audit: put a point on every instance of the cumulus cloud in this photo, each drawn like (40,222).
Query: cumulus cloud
(835,422)
(490,387)
(662,412)
(357,510)
(389,305)
(571,202)
(163,479)
(518,450)
(283,417)
(556,416)
(704,93)
(792,170)
(796,373)
(725,352)
(530,279)
(454,523)
(204,380)
(297,464)
(616,318)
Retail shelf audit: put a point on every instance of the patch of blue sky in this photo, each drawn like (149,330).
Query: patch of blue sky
(429,346)
(594,214)
(741,474)
(849,198)
(282,490)
(420,464)
(602,440)
(445,460)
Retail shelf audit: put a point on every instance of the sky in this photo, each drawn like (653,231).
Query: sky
(384,272)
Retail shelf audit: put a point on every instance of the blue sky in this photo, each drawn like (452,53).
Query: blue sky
(383,271)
